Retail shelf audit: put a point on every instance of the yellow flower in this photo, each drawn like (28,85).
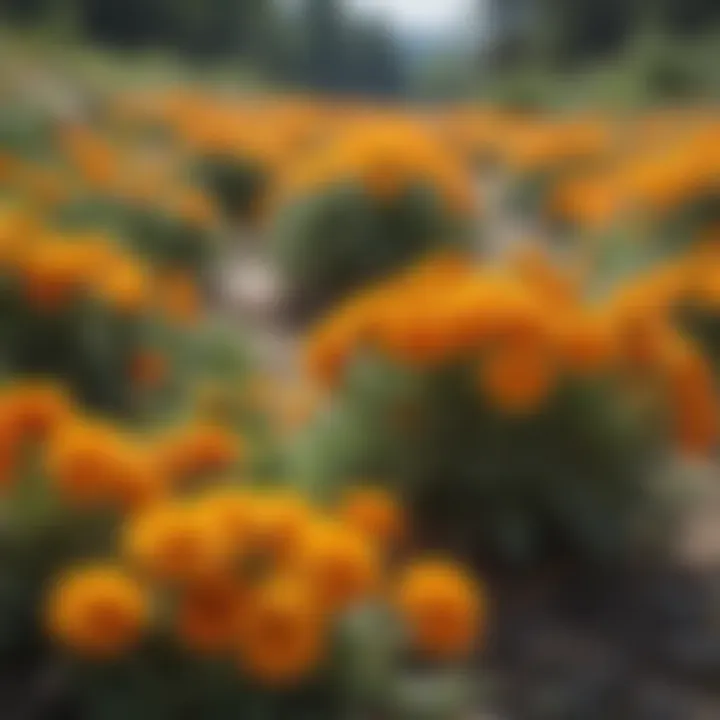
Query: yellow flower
(97,611)
(443,607)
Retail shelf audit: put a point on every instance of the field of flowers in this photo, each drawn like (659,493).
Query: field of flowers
(188,533)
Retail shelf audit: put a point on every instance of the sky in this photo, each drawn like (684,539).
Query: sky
(420,15)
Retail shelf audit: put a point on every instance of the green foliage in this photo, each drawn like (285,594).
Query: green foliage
(333,242)
(572,479)
(238,184)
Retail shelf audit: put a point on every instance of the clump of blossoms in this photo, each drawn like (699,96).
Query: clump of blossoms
(517,418)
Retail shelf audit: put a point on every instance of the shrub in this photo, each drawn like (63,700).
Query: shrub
(517,420)
(168,584)
(372,201)
(81,308)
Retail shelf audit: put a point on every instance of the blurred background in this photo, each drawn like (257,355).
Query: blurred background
(359,359)
(530,51)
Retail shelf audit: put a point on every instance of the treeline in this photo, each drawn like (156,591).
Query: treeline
(566,32)
(312,43)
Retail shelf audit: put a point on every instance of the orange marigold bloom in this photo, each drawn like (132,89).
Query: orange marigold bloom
(127,287)
(692,395)
(209,615)
(52,275)
(375,513)
(36,408)
(280,523)
(342,566)
(81,462)
(587,341)
(517,377)
(92,464)
(97,611)
(282,637)
(10,445)
(200,448)
(232,510)
(174,542)
(443,607)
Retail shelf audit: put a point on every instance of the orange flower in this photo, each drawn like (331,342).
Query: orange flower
(173,542)
(282,637)
(18,231)
(280,523)
(209,615)
(342,566)
(36,408)
(692,395)
(180,298)
(443,607)
(97,611)
(10,445)
(127,287)
(92,464)
(232,510)
(200,448)
(375,513)
(587,341)
(52,275)
(517,377)
(81,462)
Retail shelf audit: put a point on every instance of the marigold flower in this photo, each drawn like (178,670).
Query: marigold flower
(52,275)
(282,638)
(174,542)
(281,522)
(97,611)
(587,341)
(375,513)
(517,378)
(10,445)
(442,606)
(82,462)
(127,287)
(342,566)
(691,390)
(232,510)
(200,448)
(210,613)
(36,408)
